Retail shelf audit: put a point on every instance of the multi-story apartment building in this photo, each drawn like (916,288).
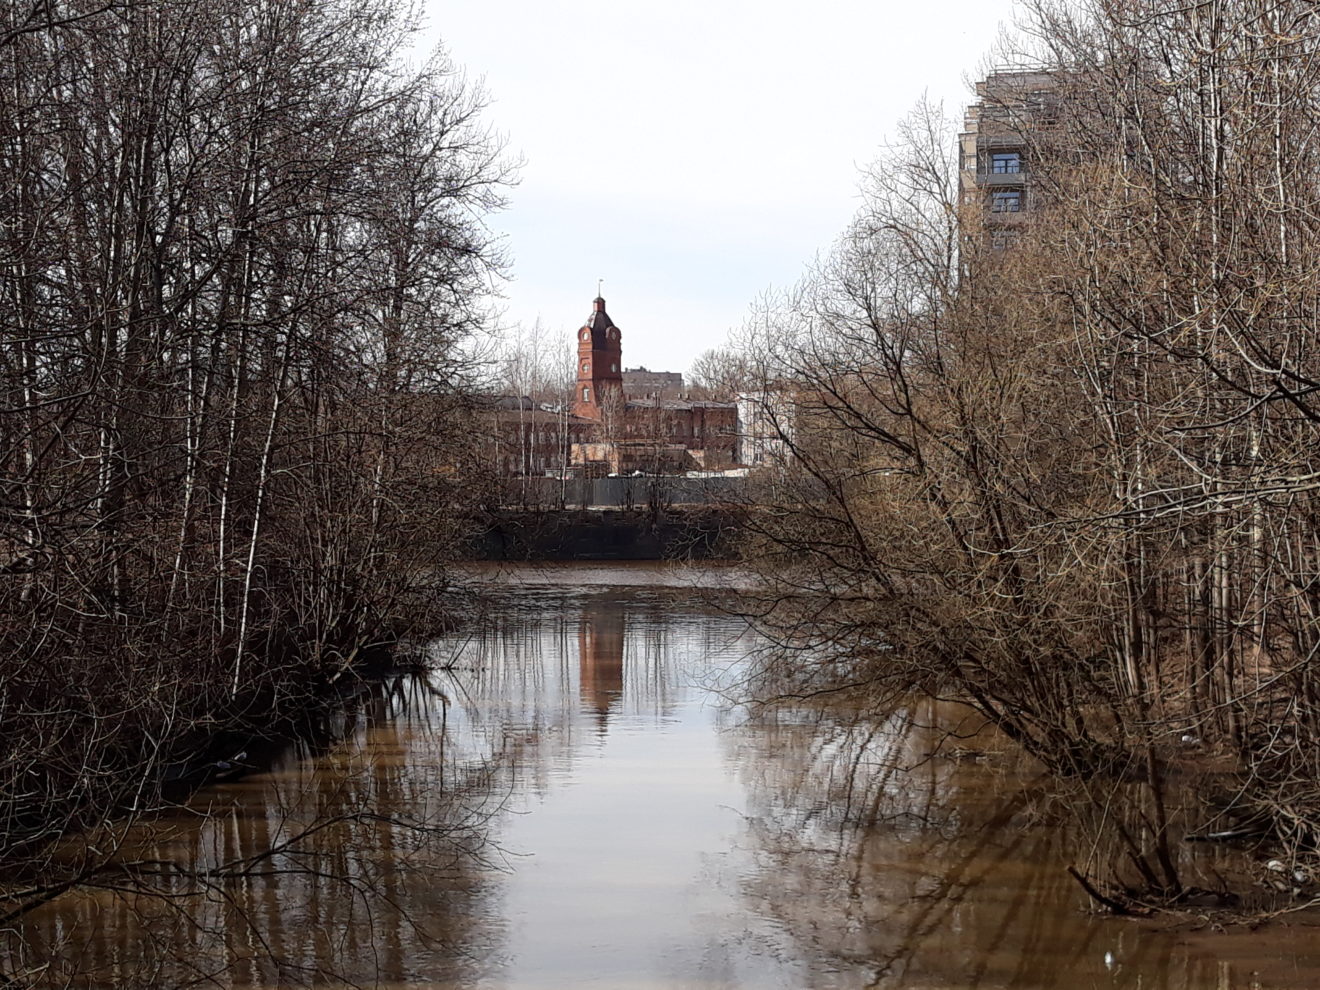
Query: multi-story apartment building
(996,145)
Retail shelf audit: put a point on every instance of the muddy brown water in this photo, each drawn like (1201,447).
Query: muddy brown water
(584,800)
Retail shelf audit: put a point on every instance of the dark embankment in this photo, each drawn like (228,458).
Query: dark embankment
(696,533)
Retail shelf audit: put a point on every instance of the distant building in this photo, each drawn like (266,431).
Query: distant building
(600,356)
(766,424)
(643,384)
(527,438)
(643,421)
(995,147)
(707,430)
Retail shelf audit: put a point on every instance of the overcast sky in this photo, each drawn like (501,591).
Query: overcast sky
(693,154)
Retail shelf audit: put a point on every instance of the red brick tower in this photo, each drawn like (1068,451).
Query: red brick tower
(599,363)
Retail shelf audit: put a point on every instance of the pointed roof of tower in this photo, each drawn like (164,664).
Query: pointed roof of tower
(599,319)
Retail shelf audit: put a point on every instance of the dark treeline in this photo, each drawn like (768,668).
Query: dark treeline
(240,247)
(1072,483)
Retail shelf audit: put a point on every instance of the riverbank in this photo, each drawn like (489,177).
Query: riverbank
(684,533)
(111,744)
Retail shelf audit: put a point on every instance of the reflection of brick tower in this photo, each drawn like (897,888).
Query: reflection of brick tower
(599,364)
(600,652)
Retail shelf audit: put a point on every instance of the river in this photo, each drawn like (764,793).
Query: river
(581,796)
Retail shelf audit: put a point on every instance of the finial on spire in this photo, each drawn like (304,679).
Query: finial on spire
(599,282)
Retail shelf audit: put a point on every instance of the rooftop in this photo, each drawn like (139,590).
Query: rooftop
(599,319)
(680,404)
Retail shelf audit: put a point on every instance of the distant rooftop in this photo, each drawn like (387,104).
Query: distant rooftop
(679,404)
(638,378)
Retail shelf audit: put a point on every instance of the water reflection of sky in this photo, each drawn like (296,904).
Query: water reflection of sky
(610,821)
(680,843)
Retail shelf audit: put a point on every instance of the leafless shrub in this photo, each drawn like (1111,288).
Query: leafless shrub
(1071,484)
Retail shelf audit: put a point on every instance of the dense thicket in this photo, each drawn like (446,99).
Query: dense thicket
(239,249)
(1073,483)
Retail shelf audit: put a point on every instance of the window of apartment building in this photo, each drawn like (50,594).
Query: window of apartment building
(1006,163)
(1006,201)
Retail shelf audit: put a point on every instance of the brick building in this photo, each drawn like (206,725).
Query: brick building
(525,437)
(600,353)
(661,432)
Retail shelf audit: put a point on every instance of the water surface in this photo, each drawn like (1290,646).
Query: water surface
(580,798)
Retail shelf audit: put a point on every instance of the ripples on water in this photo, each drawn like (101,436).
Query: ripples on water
(575,801)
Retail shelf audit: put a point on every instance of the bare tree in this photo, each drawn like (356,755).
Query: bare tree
(720,373)
(240,249)
(1070,484)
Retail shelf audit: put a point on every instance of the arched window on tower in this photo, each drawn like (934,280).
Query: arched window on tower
(586,393)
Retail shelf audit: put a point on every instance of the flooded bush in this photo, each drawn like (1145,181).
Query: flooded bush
(1067,481)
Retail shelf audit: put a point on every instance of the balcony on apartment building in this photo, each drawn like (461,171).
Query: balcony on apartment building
(1006,205)
(1001,167)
